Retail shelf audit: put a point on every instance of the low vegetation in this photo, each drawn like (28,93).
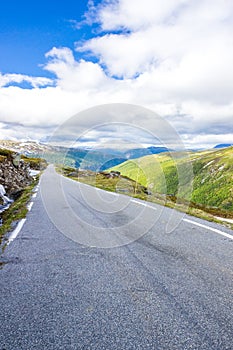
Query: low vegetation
(112,182)
(155,178)
(18,209)
(212,190)
(35,163)
(18,184)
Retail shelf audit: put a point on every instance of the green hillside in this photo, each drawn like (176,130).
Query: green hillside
(212,176)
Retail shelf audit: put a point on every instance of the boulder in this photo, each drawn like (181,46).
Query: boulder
(14,176)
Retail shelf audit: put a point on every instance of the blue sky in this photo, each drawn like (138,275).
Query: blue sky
(29,29)
(58,58)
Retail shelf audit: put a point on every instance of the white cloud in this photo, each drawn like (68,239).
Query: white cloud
(73,75)
(136,14)
(202,141)
(7,79)
(173,56)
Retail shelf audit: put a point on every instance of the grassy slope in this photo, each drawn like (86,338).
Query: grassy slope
(120,185)
(18,208)
(212,171)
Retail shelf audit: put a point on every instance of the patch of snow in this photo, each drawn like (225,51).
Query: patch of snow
(208,164)
(224,219)
(4,207)
(34,172)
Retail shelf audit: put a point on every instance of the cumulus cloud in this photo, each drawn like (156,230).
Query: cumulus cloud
(136,14)
(8,79)
(173,56)
(73,75)
(203,141)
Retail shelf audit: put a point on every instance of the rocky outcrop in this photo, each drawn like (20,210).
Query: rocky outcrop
(14,174)
(111,174)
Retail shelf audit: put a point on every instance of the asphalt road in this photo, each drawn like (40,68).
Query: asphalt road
(94,270)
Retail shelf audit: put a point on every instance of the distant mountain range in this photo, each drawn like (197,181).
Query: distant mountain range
(102,159)
(152,166)
(141,152)
(89,159)
(93,159)
(26,148)
(223,145)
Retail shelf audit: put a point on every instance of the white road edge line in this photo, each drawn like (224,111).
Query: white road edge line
(109,192)
(29,206)
(134,201)
(144,204)
(187,220)
(192,222)
(34,195)
(18,228)
(209,228)
(16,231)
(150,206)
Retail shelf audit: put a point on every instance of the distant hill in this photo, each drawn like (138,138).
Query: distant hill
(88,159)
(141,152)
(223,145)
(212,169)
(102,159)
(26,148)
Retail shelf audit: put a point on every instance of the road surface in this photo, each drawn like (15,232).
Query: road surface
(159,291)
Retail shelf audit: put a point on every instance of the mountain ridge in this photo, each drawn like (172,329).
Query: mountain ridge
(212,176)
(89,159)
(223,145)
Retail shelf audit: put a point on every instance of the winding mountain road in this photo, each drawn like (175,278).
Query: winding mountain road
(97,270)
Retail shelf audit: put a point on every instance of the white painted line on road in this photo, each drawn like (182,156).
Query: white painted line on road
(34,195)
(113,193)
(29,206)
(209,228)
(144,204)
(15,233)
(150,206)
(108,192)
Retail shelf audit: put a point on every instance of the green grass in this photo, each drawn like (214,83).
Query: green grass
(5,153)
(210,195)
(212,176)
(122,185)
(18,210)
(132,188)
(159,173)
(35,163)
(212,186)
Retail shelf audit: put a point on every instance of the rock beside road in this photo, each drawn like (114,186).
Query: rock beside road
(14,173)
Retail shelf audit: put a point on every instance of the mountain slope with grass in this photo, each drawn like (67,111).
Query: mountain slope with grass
(17,182)
(88,159)
(212,176)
